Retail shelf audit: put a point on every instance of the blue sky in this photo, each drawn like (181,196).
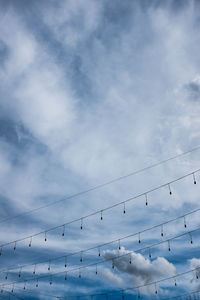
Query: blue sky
(90,91)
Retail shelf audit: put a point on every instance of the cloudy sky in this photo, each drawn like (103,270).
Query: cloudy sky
(90,91)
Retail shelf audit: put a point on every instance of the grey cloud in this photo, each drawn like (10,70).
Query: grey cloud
(140,269)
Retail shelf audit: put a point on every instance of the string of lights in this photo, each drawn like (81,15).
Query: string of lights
(95,264)
(194,293)
(100,246)
(63,226)
(102,185)
(123,291)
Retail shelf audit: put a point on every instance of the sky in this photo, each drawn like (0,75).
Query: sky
(91,91)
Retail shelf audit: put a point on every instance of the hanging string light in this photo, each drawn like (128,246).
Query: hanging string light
(146,200)
(107,208)
(101,214)
(175,283)
(34,270)
(81,257)
(130,259)
(6,277)
(194,179)
(96,270)
(138,293)
(30,243)
(169,249)
(191,241)
(170,191)
(66,276)
(119,245)
(79,275)
(99,252)
(36,283)
(45,236)
(149,253)
(139,240)
(24,285)
(63,233)
(124,210)
(15,246)
(50,281)
(113,266)
(65,261)
(49,266)
(20,271)
(156,291)
(185,225)
(162,232)
(81,223)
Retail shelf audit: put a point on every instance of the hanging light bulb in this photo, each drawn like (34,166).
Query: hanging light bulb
(191,241)
(101,215)
(99,252)
(24,285)
(6,277)
(139,240)
(1,251)
(15,246)
(66,276)
(30,242)
(45,236)
(123,297)
(96,270)
(34,270)
(79,275)
(162,233)
(194,179)
(81,224)
(65,261)
(81,257)
(50,282)
(138,295)
(124,211)
(146,200)
(13,286)
(170,192)
(119,246)
(130,259)
(169,249)
(36,283)
(156,291)
(175,283)
(2,289)
(185,225)
(49,266)
(113,265)
(149,253)
(20,271)
(63,233)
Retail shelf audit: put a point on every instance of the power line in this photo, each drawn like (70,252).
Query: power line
(168,184)
(37,278)
(100,246)
(128,289)
(101,185)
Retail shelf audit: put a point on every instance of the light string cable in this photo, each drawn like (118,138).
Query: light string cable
(100,246)
(63,226)
(95,264)
(128,289)
(194,293)
(102,185)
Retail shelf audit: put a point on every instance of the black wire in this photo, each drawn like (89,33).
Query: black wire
(101,185)
(101,245)
(101,210)
(99,262)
